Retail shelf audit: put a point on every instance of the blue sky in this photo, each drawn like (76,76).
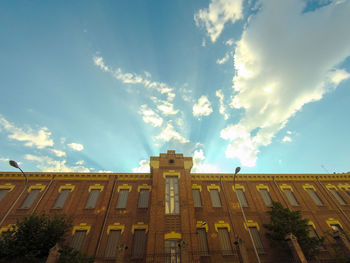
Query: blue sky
(100,86)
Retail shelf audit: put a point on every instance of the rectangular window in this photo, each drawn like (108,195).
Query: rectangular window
(172,251)
(256,239)
(312,232)
(314,196)
(78,239)
(337,227)
(337,196)
(3,192)
(203,242)
(122,198)
(93,197)
(139,243)
(266,197)
(143,198)
(32,195)
(242,198)
(215,198)
(291,197)
(225,241)
(346,191)
(62,198)
(112,244)
(172,202)
(197,198)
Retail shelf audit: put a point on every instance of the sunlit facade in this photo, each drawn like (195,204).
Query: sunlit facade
(173,215)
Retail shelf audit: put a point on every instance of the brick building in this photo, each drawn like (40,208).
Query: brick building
(173,215)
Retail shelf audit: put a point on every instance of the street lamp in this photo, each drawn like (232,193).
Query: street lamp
(244,217)
(15,165)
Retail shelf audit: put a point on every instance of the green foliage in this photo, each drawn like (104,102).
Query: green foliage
(33,237)
(284,221)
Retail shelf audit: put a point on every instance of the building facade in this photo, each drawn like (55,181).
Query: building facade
(173,215)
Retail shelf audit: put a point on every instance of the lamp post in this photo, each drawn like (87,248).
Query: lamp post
(15,165)
(244,217)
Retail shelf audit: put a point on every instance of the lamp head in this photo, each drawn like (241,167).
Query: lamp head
(14,164)
(237,170)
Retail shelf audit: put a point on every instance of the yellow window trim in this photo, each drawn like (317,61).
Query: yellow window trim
(344,186)
(251,223)
(96,187)
(115,226)
(213,187)
(286,186)
(309,186)
(222,224)
(81,226)
(139,225)
(331,186)
(172,235)
(238,186)
(66,187)
(199,225)
(40,187)
(196,186)
(262,186)
(311,223)
(330,221)
(144,186)
(7,228)
(9,187)
(124,187)
(171,173)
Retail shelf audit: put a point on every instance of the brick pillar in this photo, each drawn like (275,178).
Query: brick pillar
(295,248)
(342,242)
(54,254)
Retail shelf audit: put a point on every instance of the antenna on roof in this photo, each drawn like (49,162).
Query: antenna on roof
(324,168)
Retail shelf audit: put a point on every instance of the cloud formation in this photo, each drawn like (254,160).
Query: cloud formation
(283,61)
(199,164)
(169,133)
(150,116)
(222,108)
(143,168)
(76,146)
(217,15)
(202,107)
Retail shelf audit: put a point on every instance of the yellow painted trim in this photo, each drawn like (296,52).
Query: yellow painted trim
(286,186)
(330,221)
(196,186)
(212,187)
(309,186)
(7,228)
(238,186)
(81,226)
(172,235)
(344,186)
(311,223)
(331,186)
(144,186)
(134,177)
(116,226)
(124,187)
(96,187)
(66,187)
(171,173)
(154,164)
(251,223)
(188,164)
(199,225)
(139,225)
(40,187)
(262,186)
(222,224)
(10,187)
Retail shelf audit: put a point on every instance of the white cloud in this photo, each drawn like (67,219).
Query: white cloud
(81,162)
(224,59)
(39,139)
(199,164)
(230,42)
(47,164)
(202,107)
(168,134)
(76,146)
(167,108)
(104,171)
(286,139)
(99,62)
(4,159)
(218,14)
(58,153)
(222,108)
(150,116)
(283,61)
(143,168)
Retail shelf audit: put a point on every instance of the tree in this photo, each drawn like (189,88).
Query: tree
(284,221)
(31,239)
